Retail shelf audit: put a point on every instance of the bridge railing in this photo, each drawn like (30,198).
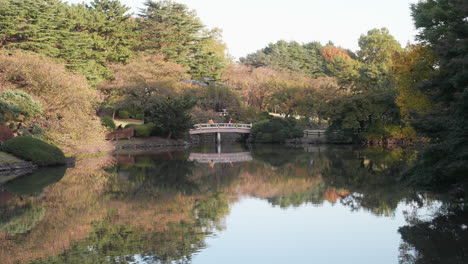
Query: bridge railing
(222,125)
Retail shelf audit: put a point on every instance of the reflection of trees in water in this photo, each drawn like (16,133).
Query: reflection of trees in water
(162,207)
(109,243)
(150,176)
(276,155)
(314,195)
(20,218)
(440,240)
(20,215)
(371,176)
(124,243)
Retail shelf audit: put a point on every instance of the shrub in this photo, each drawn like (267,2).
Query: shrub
(68,103)
(37,130)
(275,130)
(26,105)
(35,150)
(140,116)
(144,130)
(124,114)
(107,122)
(171,115)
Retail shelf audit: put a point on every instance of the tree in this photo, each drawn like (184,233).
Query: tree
(443,27)
(368,100)
(171,29)
(332,53)
(217,96)
(136,85)
(377,47)
(171,115)
(86,37)
(113,26)
(254,83)
(288,56)
(411,68)
(275,129)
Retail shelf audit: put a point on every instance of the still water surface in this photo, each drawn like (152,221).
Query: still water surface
(257,204)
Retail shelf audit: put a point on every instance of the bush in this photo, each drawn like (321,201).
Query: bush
(124,114)
(140,116)
(68,102)
(26,105)
(172,115)
(145,130)
(106,121)
(275,130)
(35,150)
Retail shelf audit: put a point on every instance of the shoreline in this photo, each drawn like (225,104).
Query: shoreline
(10,171)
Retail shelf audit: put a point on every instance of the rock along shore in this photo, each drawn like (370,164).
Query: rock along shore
(10,171)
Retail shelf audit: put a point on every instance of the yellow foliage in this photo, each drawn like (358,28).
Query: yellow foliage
(412,67)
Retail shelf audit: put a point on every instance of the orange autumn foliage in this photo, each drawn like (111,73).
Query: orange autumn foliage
(329,53)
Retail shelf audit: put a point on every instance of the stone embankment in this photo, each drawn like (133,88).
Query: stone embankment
(10,171)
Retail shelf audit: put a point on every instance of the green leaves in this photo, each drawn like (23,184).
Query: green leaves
(171,29)
(275,130)
(16,102)
(85,37)
(290,56)
(171,115)
(443,27)
(377,47)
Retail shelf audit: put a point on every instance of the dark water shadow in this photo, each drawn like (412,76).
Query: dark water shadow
(34,183)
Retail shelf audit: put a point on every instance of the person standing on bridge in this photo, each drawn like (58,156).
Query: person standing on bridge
(231,121)
(210,122)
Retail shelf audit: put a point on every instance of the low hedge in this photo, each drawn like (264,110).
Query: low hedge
(124,114)
(145,130)
(35,150)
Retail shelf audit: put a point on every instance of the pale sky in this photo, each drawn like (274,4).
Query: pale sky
(249,25)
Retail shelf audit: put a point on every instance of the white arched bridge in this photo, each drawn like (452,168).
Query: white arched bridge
(219,128)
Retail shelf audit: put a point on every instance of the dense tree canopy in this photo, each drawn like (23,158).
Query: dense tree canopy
(290,56)
(85,37)
(171,115)
(444,28)
(171,29)
(136,85)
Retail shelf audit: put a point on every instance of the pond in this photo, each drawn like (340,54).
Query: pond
(231,204)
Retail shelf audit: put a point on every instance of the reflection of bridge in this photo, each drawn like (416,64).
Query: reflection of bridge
(219,128)
(220,157)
